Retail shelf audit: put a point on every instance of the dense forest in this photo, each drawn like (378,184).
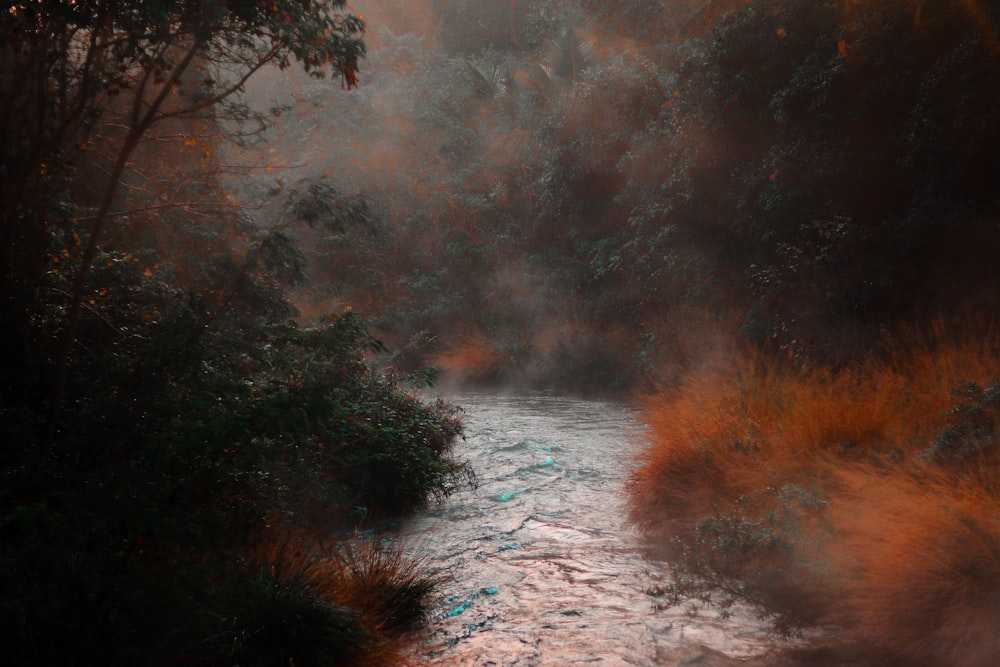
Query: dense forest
(238,236)
(606,196)
(184,466)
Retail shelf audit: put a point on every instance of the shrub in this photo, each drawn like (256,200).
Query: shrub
(861,501)
(746,556)
(916,567)
(182,445)
(275,613)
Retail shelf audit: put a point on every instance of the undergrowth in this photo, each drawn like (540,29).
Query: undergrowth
(861,501)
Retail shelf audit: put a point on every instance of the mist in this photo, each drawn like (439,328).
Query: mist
(599,196)
(494,144)
(748,213)
(247,251)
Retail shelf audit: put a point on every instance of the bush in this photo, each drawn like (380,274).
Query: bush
(749,556)
(194,431)
(859,502)
(278,610)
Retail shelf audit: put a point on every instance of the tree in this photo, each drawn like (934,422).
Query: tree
(88,75)
(829,166)
(196,429)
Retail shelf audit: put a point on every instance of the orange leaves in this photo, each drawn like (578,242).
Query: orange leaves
(672,99)
(350,78)
(474,355)
(205,146)
(60,257)
(800,419)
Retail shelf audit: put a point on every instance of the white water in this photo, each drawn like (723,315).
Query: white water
(537,566)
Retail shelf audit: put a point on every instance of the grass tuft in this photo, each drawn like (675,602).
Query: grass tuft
(864,500)
(297,602)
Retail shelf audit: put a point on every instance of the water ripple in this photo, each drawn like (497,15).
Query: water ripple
(536,564)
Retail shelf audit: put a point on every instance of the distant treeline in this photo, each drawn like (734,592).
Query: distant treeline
(603,196)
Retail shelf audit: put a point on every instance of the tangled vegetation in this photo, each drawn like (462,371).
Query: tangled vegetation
(741,208)
(183,463)
(606,197)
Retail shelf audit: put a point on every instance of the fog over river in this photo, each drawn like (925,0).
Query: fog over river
(537,566)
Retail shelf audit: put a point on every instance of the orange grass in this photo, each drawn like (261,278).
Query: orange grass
(369,576)
(917,560)
(908,549)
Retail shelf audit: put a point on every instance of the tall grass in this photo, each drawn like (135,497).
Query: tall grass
(917,566)
(865,500)
(295,601)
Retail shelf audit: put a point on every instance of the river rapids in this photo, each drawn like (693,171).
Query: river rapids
(537,565)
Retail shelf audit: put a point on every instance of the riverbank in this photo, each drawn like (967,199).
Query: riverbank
(862,500)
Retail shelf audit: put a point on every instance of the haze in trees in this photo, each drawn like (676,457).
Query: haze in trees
(779,217)
(772,222)
(604,196)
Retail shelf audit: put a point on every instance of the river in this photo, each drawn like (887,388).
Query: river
(536,564)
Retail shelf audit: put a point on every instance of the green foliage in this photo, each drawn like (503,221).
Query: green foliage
(796,155)
(321,204)
(69,65)
(186,444)
(796,177)
(192,426)
(163,415)
(970,436)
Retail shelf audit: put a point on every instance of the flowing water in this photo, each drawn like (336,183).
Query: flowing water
(536,564)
